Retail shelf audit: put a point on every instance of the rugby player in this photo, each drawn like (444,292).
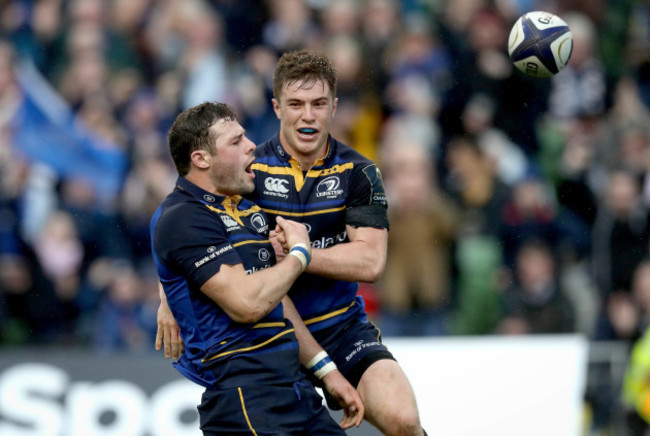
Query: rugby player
(217,269)
(305,174)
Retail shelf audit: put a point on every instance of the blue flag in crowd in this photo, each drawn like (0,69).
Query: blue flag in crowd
(46,130)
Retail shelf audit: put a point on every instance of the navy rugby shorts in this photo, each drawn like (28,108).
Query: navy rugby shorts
(266,411)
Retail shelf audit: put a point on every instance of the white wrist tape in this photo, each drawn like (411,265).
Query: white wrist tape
(326,369)
(321,365)
(301,252)
(317,358)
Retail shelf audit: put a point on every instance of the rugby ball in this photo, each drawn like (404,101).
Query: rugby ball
(540,44)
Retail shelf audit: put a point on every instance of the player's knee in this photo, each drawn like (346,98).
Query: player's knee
(404,422)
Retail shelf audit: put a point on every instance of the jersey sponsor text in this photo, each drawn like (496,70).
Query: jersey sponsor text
(212,255)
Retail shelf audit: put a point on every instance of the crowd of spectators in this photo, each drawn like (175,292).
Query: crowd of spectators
(518,205)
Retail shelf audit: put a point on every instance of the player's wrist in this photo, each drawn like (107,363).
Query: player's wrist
(302,252)
(321,364)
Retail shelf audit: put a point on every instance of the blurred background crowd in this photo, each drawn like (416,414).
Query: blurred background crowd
(517,205)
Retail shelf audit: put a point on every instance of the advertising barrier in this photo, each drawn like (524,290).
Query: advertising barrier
(464,386)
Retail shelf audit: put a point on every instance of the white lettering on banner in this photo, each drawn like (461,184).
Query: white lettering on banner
(26,414)
(87,402)
(165,413)
(40,400)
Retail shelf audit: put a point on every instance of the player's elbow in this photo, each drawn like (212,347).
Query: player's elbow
(248,313)
(374,275)
(375,270)
(247,318)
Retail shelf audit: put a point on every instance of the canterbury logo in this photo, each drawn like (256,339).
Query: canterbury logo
(276,185)
(229,222)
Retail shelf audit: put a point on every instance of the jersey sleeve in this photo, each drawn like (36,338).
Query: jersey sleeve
(367,205)
(193,245)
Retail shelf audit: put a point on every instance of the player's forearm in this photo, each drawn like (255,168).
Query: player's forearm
(354,261)
(308,345)
(265,289)
(312,355)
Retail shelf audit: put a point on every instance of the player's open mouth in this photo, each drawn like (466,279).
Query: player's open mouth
(307,133)
(249,170)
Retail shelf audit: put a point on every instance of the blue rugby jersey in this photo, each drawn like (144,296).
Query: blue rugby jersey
(343,188)
(193,234)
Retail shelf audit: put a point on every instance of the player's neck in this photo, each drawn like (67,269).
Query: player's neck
(306,160)
(305,163)
(203,181)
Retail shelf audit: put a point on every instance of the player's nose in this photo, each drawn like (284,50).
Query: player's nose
(250,145)
(308,113)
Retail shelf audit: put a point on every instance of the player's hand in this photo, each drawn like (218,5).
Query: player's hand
(293,233)
(277,239)
(347,397)
(168,335)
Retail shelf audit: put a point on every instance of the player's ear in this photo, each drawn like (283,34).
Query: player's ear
(335,104)
(200,159)
(276,107)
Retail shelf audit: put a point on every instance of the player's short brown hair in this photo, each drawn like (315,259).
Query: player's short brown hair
(191,132)
(304,67)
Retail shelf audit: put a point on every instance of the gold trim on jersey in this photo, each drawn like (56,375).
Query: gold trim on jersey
(314,212)
(254,347)
(297,174)
(230,208)
(329,315)
(293,171)
(239,244)
(262,325)
(336,169)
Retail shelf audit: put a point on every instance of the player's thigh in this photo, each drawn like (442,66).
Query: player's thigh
(387,393)
(353,346)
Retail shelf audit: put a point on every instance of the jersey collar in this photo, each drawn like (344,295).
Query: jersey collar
(204,196)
